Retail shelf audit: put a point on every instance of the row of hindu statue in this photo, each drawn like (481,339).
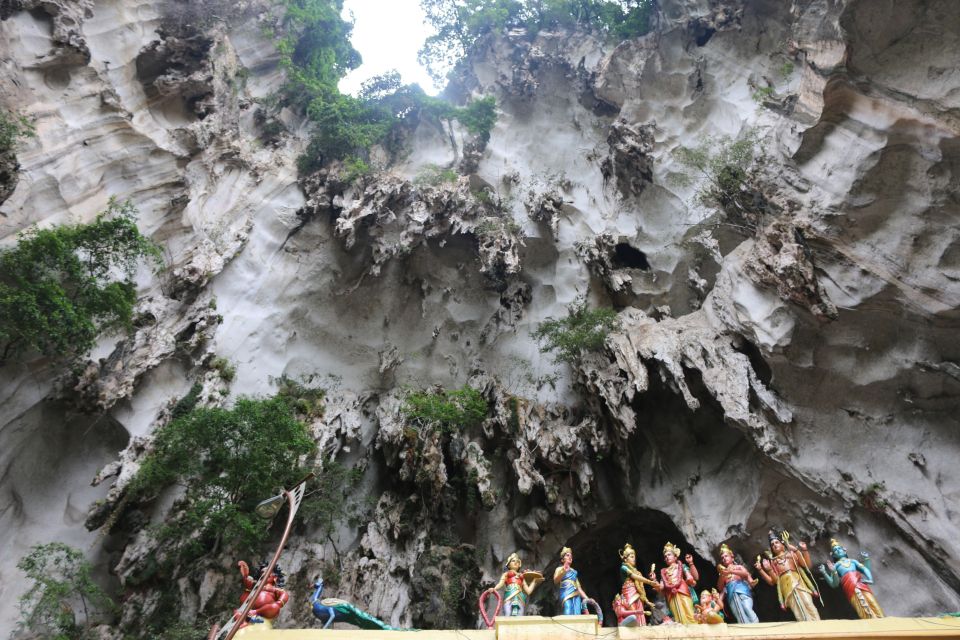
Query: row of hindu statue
(786,567)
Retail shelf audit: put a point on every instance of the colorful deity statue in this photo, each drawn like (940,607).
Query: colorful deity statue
(736,587)
(517,586)
(710,608)
(787,568)
(572,597)
(676,580)
(854,578)
(271,598)
(629,605)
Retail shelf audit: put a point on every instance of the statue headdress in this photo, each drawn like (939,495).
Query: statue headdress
(565,551)
(773,535)
(511,558)
(671,548)
(835,547)
(725,549)
(623,552)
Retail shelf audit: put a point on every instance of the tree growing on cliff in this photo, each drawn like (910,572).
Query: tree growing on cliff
(227,460)
(13,127)
(460,23)
(726,172)
(60,288)
(445,410)
(583,329)
(316,53)
(62,589)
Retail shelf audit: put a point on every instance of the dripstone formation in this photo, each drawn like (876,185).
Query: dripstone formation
(785,352)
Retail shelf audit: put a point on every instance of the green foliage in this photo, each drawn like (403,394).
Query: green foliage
(871,498)
(62,583)
(762,94)
(355,168)
(449,572)
(483,196)
(13,127)
(187,403)
(786,70)
(443,410)
(582,330)
(59,287)
(722,164)
(305,397)
(460,23)
(226,369)
(330,504)
(316,53)
(493,225)
(479,116)
(228,460)
(433,175)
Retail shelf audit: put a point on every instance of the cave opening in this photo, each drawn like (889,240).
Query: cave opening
(626,256)
(757,361)
(596,553)
(703,34)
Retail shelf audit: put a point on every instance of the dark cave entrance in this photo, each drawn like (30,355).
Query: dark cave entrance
(596,553)
(626,256)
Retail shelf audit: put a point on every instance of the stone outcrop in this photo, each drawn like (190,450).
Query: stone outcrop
(391,217)
(795,341)
(630,164)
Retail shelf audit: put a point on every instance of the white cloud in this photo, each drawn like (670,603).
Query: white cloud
(388,34)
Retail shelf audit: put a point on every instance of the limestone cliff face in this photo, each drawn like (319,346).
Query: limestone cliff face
(803,373)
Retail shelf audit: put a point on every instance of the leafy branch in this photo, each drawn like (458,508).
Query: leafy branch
(59,287)
(583,330)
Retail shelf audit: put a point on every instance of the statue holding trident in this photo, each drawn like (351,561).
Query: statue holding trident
(787,568)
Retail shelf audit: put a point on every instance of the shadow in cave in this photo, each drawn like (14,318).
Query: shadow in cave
(705,434)
(626,256)
(596,553)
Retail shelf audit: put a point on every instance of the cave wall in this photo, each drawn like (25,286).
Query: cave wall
(728,401)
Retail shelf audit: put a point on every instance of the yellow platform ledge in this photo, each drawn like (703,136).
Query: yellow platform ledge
(585,627)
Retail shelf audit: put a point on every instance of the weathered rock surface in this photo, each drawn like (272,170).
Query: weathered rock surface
(803,353)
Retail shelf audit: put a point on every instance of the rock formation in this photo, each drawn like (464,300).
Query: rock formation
(794,366)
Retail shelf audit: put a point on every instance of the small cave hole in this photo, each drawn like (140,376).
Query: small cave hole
(626,256)
(757,361)
(703,35)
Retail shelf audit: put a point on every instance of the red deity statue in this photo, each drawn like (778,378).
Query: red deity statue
(271,598)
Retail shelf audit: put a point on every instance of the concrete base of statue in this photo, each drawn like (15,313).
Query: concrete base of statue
(586,627)
(558,627)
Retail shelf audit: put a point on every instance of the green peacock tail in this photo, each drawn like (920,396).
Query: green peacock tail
(347,612)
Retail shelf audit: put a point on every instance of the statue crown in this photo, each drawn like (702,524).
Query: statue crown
(671,548)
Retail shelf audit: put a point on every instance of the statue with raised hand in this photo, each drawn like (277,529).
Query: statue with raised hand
(572,597)
(787,568)
(855,578)
(676,581)
(517,586)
